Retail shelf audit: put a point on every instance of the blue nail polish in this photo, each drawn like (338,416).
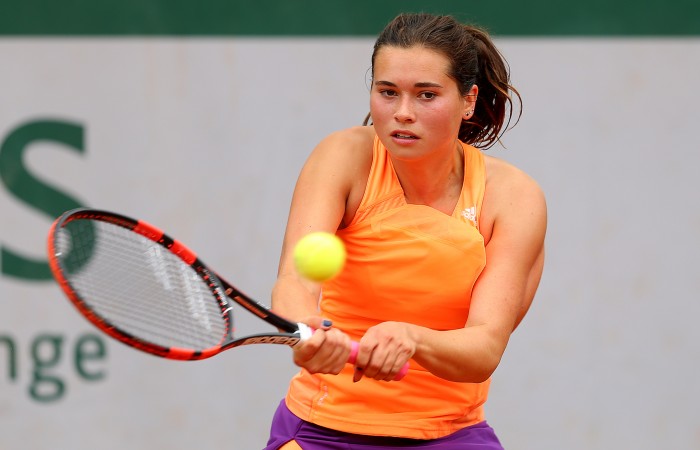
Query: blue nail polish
(327,323)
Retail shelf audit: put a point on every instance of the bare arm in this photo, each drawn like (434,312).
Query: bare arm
(326,188)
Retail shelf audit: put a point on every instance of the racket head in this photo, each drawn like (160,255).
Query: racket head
(139,285)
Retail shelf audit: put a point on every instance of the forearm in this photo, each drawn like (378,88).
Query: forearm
(295,299)
(467,355)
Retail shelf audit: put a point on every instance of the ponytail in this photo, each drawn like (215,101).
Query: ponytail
(494,101)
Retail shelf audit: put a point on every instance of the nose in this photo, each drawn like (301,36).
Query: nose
(404,112)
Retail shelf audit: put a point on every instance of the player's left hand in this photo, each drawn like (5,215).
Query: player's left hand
(384,350)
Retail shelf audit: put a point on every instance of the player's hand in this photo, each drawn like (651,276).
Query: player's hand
(326,351)
(384,350)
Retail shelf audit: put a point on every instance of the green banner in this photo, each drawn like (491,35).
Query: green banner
(341,18)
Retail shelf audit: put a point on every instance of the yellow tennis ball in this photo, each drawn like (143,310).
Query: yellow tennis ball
(319,256)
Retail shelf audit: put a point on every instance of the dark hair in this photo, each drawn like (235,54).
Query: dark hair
(474,60)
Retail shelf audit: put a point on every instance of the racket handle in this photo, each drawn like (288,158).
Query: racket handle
(355,348)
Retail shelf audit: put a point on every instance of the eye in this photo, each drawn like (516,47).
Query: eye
(387,92)
(427,95)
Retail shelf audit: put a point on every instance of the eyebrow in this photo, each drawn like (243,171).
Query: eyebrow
(422,84)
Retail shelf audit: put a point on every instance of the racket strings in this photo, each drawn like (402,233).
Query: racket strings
(139,287)
(128,301)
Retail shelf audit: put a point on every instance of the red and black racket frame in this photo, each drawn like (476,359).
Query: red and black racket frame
(291,333)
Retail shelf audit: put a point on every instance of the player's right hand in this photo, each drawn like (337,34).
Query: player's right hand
(326,351)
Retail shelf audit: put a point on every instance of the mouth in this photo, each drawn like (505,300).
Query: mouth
(403,135)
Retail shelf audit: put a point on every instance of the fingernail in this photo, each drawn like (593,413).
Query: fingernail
(357,376)
(327,323)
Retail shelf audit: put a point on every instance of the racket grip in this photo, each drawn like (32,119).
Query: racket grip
(355,348)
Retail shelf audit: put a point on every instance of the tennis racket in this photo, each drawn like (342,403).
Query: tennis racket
(151,292)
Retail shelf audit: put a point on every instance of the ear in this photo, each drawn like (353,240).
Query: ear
(470,102)
(470,98)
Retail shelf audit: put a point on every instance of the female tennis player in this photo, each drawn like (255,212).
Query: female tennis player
(445,252)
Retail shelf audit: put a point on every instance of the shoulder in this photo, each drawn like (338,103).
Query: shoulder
(511,195)
(345,152)
(347,140)
(501,174)
(339,167)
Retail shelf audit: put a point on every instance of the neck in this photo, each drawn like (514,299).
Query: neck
(435,181)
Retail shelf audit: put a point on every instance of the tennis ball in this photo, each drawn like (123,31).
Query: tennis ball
(319,256)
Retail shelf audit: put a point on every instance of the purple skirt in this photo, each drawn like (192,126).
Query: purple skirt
(287,427)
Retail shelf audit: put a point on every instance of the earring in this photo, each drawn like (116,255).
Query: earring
(468,113)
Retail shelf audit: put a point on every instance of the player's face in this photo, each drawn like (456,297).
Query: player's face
(416,106)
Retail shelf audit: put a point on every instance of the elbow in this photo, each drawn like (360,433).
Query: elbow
(476,373)
(488,365)
(482,375)
(463,375)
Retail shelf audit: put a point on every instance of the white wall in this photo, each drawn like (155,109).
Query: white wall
(204,138)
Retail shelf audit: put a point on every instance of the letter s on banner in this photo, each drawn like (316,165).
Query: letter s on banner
(30,189)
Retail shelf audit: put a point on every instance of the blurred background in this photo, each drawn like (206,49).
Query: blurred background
(197,116)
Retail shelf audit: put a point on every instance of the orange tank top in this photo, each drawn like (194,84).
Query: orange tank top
(407,263)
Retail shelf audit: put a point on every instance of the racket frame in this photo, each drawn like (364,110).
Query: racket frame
(221,290)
